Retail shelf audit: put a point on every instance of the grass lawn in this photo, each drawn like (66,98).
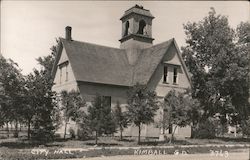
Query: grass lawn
(16,143)
(12,149)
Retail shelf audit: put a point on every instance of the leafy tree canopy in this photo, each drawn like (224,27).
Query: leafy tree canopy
(121,118)
(11,91)
(219,66)
(142,106)
(101,119)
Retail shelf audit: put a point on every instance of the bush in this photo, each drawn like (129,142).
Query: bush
(42,135)
(246,127)
(83,134)
(72,133)
(220,128)
(205,129)
(15,134)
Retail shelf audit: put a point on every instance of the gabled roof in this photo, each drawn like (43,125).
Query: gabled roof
(148,61)
(100,64)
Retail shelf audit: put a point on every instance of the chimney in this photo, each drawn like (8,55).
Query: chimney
(68,33)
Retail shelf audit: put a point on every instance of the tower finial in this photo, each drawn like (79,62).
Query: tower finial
(139,6)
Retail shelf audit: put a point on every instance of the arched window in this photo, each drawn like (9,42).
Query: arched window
(142,25)
(126,28)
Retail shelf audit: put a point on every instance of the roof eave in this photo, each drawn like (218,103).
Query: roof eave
(160,59)
(131,13)
(182,62)
(110,84)
(57,58)
(137,37)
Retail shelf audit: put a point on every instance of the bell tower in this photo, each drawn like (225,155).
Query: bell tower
(136,28)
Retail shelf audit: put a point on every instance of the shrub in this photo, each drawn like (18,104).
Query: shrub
(72,133)
(246,127)
(83,134)
(205,129)
(42,135)
(15,134)
(3,137)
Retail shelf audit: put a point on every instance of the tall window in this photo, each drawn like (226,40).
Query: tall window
(66,78)
(175,75)
(63,72)
(142,25)
(60,80)
(165,74)
(107,101)
(126,28)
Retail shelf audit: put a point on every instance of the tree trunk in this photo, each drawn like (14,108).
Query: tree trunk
(16,129)
(96,137)
(7,127)
(65,130)
(29,121)
(172,135)
(139,136)
(121,133)
(235,131)
(192,132)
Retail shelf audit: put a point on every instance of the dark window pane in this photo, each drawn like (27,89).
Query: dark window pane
(126,28)
(66,79)
(175,75)
(142,25)
(107,100)
(165,74)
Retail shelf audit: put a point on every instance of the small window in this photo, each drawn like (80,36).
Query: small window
(142,25)
(165,74)
(175,75)
(66,79)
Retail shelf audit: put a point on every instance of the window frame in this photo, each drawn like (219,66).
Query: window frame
(175,75)
(165,74)
(126,31)
(142,25)
(67,73)
(60,78)
(107,100)
(61,66)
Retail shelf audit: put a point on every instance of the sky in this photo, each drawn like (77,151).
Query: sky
(29,28)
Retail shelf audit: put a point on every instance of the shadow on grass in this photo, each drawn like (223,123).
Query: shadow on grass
(234,139)
(161,143)
(26,144)
(102,144)
(181,142)
(126,140)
